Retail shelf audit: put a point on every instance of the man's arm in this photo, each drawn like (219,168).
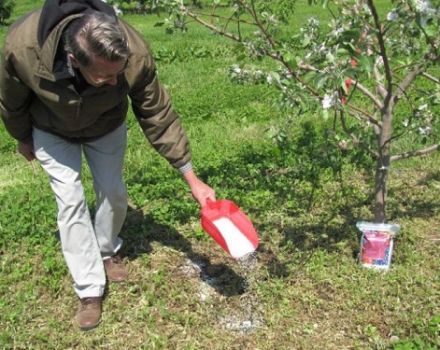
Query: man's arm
(161,125)
(152,106)
(15,98)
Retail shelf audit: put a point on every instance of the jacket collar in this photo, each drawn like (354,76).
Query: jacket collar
(48,52)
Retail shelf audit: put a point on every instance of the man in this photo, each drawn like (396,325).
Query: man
(65,78)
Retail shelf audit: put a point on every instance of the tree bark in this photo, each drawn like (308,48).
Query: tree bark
(383,165)
(382,170)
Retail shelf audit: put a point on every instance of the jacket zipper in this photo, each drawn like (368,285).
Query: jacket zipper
(78,110)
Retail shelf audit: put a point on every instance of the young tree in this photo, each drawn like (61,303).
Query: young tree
(374,72)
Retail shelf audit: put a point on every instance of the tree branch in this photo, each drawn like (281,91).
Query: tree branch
(381,41)
(355,111)
(213,27)
(430,77)
(273,55)
(254,15)
(416,153)
(409,78)
(228,19)
(368,93)
(361,114)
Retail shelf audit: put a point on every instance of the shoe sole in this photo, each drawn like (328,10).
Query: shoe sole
(90,327)
(117,281)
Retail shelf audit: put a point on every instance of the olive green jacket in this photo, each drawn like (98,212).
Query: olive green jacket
(32,94)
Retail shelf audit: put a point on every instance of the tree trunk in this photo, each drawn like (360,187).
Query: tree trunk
(383,167)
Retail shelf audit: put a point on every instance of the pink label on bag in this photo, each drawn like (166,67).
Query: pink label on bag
(376,247)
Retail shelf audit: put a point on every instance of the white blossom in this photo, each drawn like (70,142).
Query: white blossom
(236,69)
(366,9)
(328,101)
(425,130)
(425,9)
(313,22)
(272,19)
(337,32)
(392,16)
(379,61)
(322,48)
(330,57)
(423,6)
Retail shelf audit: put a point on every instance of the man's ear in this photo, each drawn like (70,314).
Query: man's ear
(73,60)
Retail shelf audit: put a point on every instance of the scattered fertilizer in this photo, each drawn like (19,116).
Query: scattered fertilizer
(241,326)
(243,316)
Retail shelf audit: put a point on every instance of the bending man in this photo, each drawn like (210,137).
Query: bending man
(67,74)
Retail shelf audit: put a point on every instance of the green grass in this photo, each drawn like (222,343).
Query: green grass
(305,290)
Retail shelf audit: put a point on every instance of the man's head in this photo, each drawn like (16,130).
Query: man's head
(97,46)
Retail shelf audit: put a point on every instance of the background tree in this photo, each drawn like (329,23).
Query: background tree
(373,71)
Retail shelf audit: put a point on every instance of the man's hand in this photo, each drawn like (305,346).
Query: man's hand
(200,191)
(26,149)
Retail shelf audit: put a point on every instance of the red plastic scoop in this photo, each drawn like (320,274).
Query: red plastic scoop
(230,227)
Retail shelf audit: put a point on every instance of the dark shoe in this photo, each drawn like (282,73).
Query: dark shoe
(89,313)
(115,269)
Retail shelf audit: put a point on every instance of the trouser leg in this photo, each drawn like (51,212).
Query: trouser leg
(62,161)
(105,157)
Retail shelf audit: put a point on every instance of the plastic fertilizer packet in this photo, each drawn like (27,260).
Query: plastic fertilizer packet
(376,246)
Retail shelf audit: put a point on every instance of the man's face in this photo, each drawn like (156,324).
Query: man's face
(101,71)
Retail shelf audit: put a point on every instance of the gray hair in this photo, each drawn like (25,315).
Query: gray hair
(95,34)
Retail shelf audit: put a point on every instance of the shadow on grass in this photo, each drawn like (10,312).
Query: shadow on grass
(140,230)
(301,240)
(418,199)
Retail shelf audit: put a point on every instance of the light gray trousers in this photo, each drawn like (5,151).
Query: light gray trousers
(85,243)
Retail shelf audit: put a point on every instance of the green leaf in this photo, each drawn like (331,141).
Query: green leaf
(366,63)
(290,59)
(342,53)
(308,76)
(306,41)
(320,80)
(276,78)
(432,30)
(351,34)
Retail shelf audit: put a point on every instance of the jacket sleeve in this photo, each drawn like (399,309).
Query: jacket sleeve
(152,107)
(15,98)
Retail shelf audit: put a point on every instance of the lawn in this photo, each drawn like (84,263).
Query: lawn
(303,290)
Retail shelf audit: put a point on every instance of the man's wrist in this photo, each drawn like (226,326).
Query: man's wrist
(191,178)
(186,168)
